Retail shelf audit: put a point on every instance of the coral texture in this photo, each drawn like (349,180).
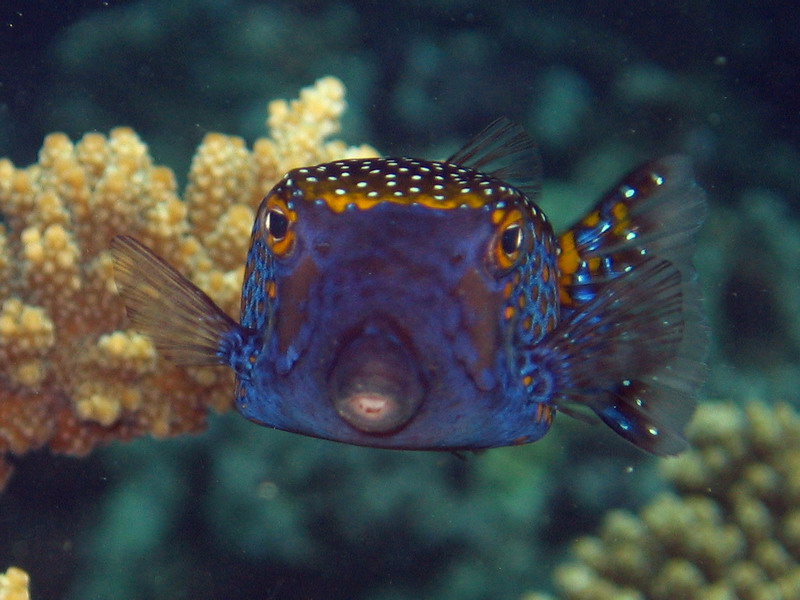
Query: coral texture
(71,374)
(732,530)
(14,585)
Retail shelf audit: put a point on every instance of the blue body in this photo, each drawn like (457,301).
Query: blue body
(422,274)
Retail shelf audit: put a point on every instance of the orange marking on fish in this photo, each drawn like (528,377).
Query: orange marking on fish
(569,259)
(592,219)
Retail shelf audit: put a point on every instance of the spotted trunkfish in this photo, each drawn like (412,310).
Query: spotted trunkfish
(412,304)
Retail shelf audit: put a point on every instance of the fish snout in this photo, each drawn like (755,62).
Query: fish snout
(375,382)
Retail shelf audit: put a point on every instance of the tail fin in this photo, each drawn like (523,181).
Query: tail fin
(633,340)
(183,322)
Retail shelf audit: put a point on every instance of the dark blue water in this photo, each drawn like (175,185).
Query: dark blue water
(244,512)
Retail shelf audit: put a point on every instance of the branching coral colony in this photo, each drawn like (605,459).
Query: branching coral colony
(14,585)
(731,530)
(71,374)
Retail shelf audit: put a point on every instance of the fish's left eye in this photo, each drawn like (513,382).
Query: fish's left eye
(276,219)
(277,224)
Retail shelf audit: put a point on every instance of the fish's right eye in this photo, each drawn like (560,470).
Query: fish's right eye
(510,242)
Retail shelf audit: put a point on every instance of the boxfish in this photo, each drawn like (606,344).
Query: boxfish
(428,305)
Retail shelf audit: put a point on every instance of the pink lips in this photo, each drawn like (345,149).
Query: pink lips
(375,383)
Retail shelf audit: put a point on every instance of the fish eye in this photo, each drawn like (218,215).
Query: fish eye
(276,223)
(276,218)
(511,239)
(508,242)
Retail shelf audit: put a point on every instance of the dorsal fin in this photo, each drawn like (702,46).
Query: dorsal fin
(504,150)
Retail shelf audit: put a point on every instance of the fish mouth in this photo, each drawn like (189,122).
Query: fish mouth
(375,382)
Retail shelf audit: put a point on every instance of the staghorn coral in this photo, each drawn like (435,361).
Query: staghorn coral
(731,532)
(71,375)
(14,584)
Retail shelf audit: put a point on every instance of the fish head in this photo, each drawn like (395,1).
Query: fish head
(392,295)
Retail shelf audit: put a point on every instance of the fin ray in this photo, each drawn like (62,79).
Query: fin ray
(656,210)
(183,322)
(633,340)
(504,150)
(635,355)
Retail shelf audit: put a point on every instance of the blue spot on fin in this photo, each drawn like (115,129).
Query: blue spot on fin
(635,355)
(504,150)
(183,322)
(659,434)
(656,209)
(633,343)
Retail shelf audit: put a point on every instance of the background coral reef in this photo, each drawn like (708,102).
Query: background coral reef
(243,512)
(14,584)
(729,528)
(72,373)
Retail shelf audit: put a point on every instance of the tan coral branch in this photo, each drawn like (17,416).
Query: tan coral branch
(14,584)
(71,374)
(731,528)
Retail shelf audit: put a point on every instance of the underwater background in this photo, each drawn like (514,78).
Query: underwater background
(240,511)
